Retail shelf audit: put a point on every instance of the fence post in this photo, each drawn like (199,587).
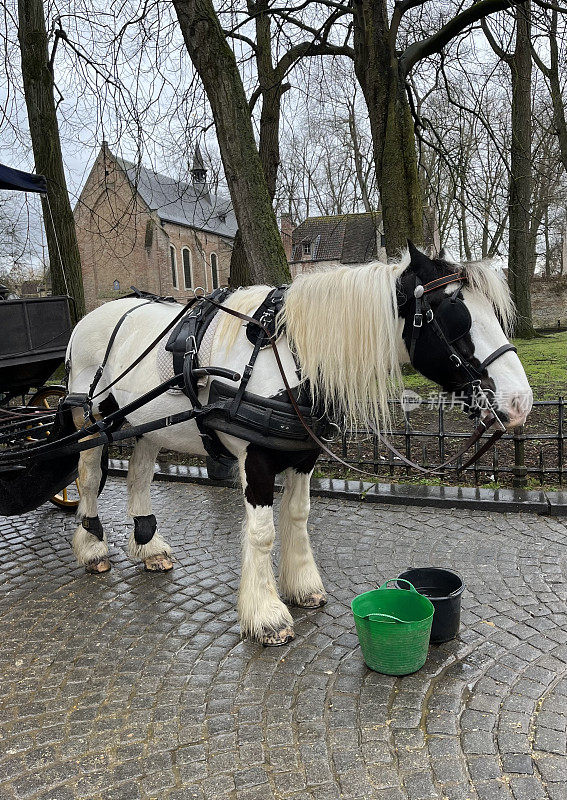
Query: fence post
(519,471)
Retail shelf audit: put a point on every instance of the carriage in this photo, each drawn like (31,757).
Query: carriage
(35,334)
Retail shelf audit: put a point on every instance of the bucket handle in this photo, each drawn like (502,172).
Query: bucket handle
(370,617)
(458,590)
(396,580)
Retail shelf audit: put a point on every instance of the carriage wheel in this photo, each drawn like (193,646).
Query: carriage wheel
(68,498)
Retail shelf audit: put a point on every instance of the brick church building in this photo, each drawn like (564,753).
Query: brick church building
(163,235)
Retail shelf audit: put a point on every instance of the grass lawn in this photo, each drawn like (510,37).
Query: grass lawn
(544,359)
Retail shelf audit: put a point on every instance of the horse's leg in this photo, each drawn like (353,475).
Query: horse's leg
(89,541)
(262,614)
(145,544)
(300,582)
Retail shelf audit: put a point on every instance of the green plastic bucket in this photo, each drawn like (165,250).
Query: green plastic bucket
(393,627)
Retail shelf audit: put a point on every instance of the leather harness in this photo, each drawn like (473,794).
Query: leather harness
(270,421)
(185,341)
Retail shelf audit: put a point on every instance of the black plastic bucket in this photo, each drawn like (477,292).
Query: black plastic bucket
(444,589)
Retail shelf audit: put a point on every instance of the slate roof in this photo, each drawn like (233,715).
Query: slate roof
(348,238)
(182,203)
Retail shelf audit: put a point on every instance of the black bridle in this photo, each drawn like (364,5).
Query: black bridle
(450,322)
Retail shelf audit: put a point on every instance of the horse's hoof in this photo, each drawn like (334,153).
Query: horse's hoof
(272,638)
(97,567)
(313,600)
(161,563)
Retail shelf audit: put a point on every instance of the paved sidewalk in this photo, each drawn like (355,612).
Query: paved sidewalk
(132,685)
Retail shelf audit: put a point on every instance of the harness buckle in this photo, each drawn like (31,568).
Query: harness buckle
(456,360)
(88,411)
(429,315)
(418,320)
(190,342)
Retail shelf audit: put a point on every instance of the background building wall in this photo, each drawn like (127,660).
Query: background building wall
(121,239)
(549,302)
(111,222)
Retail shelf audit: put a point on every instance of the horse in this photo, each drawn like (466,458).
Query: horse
(349,329)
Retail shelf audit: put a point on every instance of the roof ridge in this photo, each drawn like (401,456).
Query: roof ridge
(338,217)
(140,166)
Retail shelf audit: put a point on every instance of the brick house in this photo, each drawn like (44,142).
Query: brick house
(163,235)
(347,239)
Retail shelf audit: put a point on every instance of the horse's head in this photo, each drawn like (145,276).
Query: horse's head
(453,320)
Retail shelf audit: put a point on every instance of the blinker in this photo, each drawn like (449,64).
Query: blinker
(453,318)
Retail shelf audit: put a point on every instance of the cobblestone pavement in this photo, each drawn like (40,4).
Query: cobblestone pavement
(134,685)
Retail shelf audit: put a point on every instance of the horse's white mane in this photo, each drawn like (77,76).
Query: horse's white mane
(245,300)
(343,326)
(483,279)
(342,323)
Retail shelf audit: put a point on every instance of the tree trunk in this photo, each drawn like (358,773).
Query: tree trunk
(239,269)
(37,74)
(547,245)
(378,71)
(269,140)
(556,93)
(520,256)
(215,62)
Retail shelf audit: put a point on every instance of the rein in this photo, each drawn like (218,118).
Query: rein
(472,440)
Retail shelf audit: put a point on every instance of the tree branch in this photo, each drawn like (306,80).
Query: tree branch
(435,43)
(242,38)
(551,6)
(400,8)
(543,68)
(500,52)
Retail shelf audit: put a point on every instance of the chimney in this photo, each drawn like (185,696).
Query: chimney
(286,232)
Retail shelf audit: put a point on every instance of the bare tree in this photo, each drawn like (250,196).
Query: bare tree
(521,256)
(37,73)
(215,62)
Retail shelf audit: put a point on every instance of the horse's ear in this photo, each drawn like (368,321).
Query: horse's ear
(418,260)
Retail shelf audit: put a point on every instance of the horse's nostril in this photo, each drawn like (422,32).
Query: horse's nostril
(521,403)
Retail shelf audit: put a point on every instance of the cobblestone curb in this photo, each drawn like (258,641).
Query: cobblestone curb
(465,497)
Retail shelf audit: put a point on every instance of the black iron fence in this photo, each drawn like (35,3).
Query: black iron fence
(535,453)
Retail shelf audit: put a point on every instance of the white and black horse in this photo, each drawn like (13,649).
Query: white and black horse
(350,329)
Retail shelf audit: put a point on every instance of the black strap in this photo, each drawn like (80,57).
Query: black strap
(100,370)
(445,280)
(245,378)
(185,341)
(417,325)
(508,347)
(266,314)
(149,348)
